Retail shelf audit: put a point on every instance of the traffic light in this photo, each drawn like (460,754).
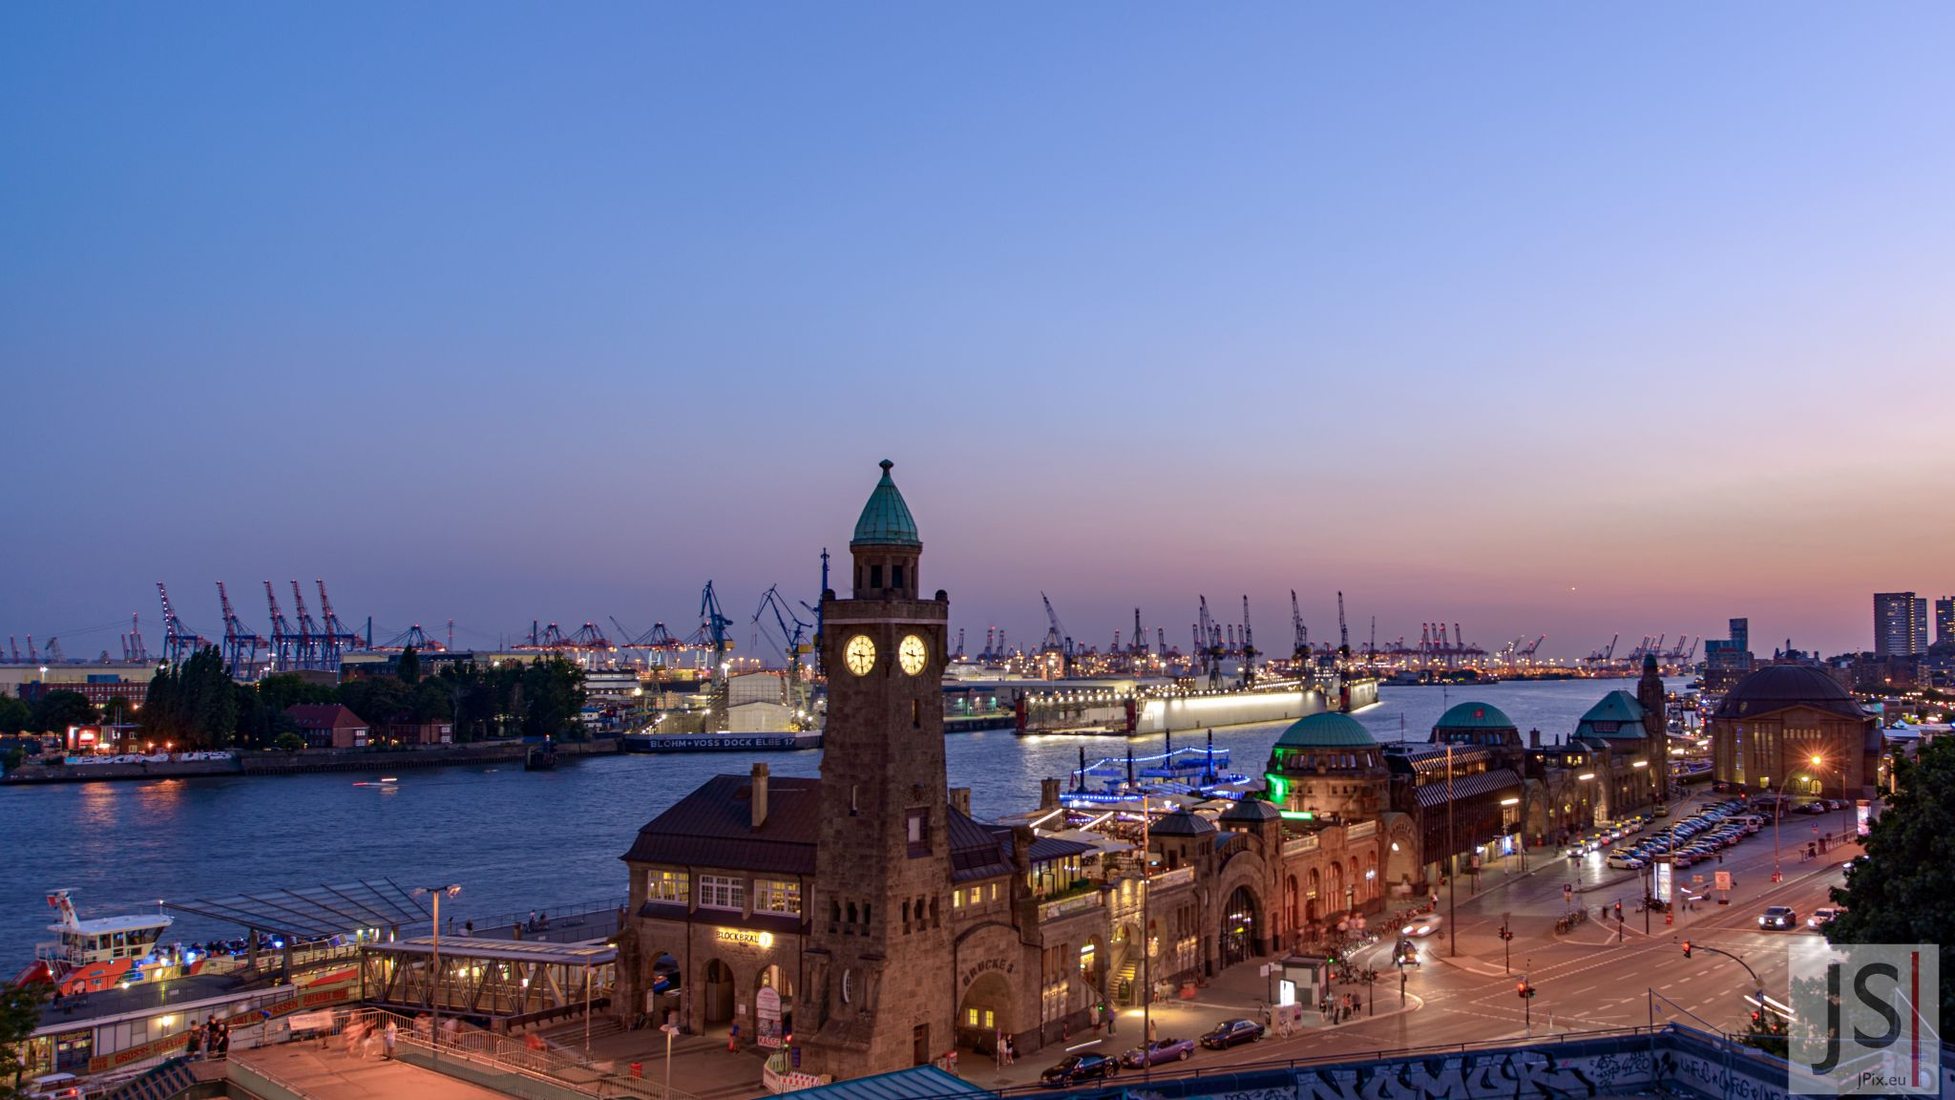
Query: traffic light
(1618,912)
(1523,989)
(1686,949)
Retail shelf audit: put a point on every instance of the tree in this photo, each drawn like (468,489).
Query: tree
(1767,1032)
(14,714)
(410,667)
(194,704)
(20,1014)
(1898,892)
(55,711)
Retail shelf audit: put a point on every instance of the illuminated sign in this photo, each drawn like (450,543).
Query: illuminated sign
(744,936)
(1663,879)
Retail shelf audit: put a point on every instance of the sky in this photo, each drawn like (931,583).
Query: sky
(1542,319)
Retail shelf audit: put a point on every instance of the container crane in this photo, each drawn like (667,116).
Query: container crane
(338,637)
(240,645)
(179,641)
(138,651)
(311,645)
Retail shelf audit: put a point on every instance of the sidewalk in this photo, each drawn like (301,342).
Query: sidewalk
(1237,992)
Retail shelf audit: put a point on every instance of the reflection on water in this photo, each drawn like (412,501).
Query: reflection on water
(514,839)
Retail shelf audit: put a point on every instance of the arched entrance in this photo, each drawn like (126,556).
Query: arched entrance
(663,978)
(985,1013)
(716,994)
(1291,923)
(1093,962)
(1313,909)
(1240,917)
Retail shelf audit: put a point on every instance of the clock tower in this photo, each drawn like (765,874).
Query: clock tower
(879,958)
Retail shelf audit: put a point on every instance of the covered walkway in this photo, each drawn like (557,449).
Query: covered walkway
(494,982)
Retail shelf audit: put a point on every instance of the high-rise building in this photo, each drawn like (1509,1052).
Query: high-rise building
(1900,624)
(1727,660)
(1945,619)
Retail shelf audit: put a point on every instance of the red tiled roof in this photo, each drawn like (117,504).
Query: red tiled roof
(713,827)
(323,716)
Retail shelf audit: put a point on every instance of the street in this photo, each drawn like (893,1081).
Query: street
(1599,975)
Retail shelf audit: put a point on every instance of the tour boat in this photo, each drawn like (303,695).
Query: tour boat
(106,952)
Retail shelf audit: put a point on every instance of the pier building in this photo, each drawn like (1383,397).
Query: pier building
(865,917)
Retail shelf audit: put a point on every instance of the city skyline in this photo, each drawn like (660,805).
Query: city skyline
(1556,324)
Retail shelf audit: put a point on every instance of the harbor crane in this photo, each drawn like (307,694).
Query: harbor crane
(712,627)
(179,641)
(337,636)
(138,651)
(1248,647)
(792,640)
(53,650)
(240,645)
(1300,648)
(1209,645)
(1343,631)
(1056,639)
(287,647)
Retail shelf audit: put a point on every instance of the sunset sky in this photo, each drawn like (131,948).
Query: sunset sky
(1538,318)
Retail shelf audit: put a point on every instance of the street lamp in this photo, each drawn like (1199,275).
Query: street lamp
(1846,805)
(434,975)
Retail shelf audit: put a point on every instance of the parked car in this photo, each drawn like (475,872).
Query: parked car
(1080,1067)
(1778,918)
(1158,1051)
(1230,1032)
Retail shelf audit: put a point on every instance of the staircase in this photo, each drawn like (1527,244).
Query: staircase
(1124,989)
(162,1083)
(562,1037)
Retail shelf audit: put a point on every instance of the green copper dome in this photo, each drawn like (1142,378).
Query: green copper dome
(886,520)
(1329,730)
(1474,716)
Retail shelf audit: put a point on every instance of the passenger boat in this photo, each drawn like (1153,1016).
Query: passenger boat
(106,952)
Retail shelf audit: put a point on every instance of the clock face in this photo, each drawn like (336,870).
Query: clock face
(861,655)
(913,653)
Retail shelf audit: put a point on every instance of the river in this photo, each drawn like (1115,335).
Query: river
(515,840)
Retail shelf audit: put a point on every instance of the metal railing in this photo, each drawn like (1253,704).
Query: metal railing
(503,922)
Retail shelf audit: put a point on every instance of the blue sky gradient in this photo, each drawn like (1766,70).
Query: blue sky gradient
(1537,318)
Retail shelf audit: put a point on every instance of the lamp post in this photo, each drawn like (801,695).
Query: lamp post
(1778,814)
(1846,804)
(434,974)
(1452,862)
(1146,943)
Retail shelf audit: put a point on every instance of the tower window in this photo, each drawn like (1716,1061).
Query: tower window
(896,575)
(875,576)
(916,714)
(918,832)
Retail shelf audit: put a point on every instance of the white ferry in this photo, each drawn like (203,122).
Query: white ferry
(105,952)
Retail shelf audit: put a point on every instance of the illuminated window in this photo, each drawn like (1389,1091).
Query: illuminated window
(720,892)
(772,895)
(667,886)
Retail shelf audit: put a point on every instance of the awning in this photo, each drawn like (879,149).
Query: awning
(314,912)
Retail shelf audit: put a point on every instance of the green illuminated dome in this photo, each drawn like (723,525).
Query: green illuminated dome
(1474,716)
(1329,730)
(886,520)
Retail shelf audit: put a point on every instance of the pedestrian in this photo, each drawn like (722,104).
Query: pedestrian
(1011,1051)
(468,928)
(543,922)
(195,1045)
(223,1041)
(531,925)
(210,1036)
(1153,1029)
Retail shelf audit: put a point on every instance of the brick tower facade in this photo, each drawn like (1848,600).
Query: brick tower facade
(877,925)
(1656,726)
